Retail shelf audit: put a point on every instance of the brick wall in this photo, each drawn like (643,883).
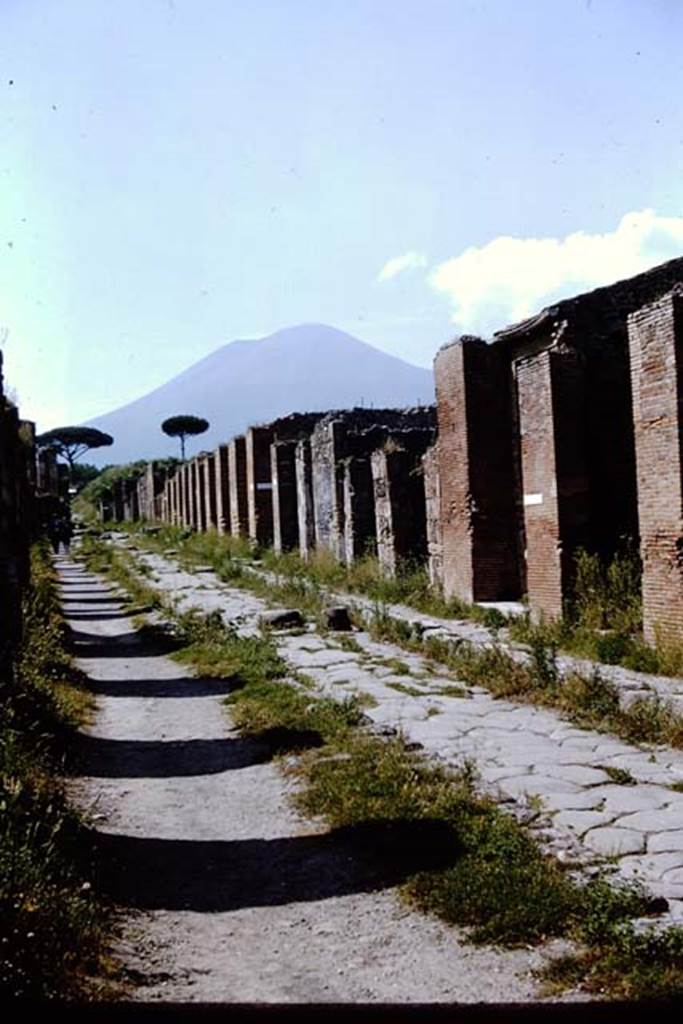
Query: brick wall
(551,398)
(478,496)
(656,346)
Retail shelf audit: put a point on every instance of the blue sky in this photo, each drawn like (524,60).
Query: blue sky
(175,174)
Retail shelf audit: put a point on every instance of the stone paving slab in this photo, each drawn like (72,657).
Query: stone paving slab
(631,684)
(524,755)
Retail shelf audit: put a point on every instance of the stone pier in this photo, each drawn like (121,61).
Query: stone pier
(400,508)
(222,492)
(478,508)
(284,494)
(210,490)
(259,485)
(237,484)
(656,343)
(304,498)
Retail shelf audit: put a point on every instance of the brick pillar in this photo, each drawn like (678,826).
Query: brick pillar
(432,486)
(237,470)
(656,347)
(259,485)
(304,498)
(327,474)
(478,506)
(550,389)
(359,509)
(210,490)
(400,513)
(285,511)
(222,492)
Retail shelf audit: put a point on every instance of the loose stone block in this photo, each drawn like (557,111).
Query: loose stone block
(281,618)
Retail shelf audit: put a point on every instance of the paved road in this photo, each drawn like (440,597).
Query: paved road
(230,895)
(520,751)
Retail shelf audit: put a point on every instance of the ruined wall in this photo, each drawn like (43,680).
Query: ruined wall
(478,499)
(400,507)
(284,496)
(259,485)
(656,344)
(210,490)
(551,392)
(338,490)
(432,488)
(237,469)
(222,473)
(304,497)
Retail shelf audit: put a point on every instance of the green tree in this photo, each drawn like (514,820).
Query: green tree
(72,442)
(184,426)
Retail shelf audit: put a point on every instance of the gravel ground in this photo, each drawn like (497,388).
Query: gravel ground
(228,894)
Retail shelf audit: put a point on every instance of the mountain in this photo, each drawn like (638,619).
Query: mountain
(308,368)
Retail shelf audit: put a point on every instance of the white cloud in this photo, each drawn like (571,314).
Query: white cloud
(509,279)
(398,264)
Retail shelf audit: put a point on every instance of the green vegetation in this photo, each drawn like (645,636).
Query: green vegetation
(184,426)
(492,876)
(591,701)
(487,872)
(72,442)
(604,618)
(52,926)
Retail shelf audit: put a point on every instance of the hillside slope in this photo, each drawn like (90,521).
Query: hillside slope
(298,369)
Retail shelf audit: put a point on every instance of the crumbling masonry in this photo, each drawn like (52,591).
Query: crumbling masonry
(563,432)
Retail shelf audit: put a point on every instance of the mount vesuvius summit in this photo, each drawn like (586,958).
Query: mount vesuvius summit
(307,368)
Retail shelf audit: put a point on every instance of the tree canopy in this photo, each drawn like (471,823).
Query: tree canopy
(184,426)
(72,442)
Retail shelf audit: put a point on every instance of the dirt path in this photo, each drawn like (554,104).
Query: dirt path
(231,896)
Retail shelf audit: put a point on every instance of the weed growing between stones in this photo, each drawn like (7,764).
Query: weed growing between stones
(52,926)
(306,581)
(488,873)
(591,701)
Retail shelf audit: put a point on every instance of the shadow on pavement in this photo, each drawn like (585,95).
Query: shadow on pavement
(185,686)
(211,876)
(98,758)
